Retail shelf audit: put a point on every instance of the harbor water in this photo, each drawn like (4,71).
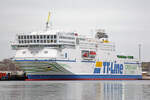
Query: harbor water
(75,90)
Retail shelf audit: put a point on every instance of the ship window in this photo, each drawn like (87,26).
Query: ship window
(51,36)
(54,41)
(54,36)
(44,41)
(37,41)
(30,41)
(64,37)
(21,37)
(34,41)
(24,37)
(67,42)
(41,41)
(40,36)
(48,37)
(48,41)
(34,36)
(37,36)
(45,52)
(77,41)
(27,36)
(30,36)
(44,36)
(18,37)
(51,40)
(23,52)
(82,39)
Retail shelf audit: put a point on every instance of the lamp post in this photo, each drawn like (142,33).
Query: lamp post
(139,52)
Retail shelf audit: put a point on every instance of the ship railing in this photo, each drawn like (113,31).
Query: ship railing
(16,43)
(34,58)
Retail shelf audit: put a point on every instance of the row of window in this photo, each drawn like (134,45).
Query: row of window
(32,52)
(67,42)
(64,37)
(37,41)
(82,39)
(37,37)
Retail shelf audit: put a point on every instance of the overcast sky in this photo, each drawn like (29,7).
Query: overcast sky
(127,22)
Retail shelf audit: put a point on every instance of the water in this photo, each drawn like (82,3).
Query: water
(75,90)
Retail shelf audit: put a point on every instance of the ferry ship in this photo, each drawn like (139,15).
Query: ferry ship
(59,55)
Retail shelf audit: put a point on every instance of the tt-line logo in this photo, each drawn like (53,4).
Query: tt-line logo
(108,67)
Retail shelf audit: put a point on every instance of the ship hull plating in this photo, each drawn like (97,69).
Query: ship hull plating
(80,70)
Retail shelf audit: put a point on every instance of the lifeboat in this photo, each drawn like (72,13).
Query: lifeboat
(92,53)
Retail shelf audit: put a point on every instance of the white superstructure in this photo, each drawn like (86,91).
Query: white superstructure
(60,45)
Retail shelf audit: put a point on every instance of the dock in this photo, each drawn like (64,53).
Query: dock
(10,71)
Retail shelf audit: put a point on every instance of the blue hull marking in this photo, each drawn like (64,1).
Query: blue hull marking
(88,61)
(84,76)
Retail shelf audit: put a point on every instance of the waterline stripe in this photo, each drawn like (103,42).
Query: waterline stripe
(84,77)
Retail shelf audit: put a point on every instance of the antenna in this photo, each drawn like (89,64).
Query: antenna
(47,23)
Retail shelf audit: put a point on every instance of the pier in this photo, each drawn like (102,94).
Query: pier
(10,71)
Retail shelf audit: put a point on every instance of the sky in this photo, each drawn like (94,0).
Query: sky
(127,22)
